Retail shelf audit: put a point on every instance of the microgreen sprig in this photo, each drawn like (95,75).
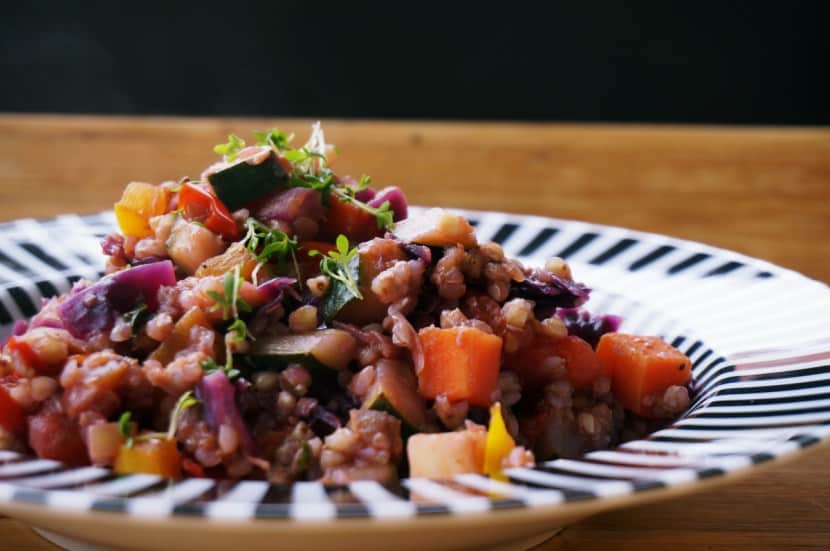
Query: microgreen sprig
(229,302)
(279,141)
(126,426)
(337,265)
(231,148)
(273,243)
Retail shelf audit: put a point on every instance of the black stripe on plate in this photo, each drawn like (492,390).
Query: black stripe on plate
(5,317)
(705,371)
(351,510)
(272,510)
(110,505)
(431,509)
(190,508)
(709,472)
(702,358)
(503,504)
(16,266)
(473,222)
(656,254)
(73,279)
(23,301)
(693,348)
(688,263)
(577,245)
(643,485)
(703,414)
(724,269)
(538,240)
(823,395)
(576,495)
(564,471)
(277,493)
(29,495)
(807,440)
(779,388)
(761,457)
(795,371)
(43,256)
(746,428)
(678,340)
(764,275)
(504,233)
(47,289)
(612,251)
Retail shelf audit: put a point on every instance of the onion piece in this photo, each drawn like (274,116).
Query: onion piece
(396,198)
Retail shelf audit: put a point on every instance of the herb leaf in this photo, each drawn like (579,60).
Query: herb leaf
(185,401)
(276,139)
(341,265)
(231,148)
(270,242)
(126,427)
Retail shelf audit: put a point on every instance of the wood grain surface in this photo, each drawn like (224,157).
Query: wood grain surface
(760,191)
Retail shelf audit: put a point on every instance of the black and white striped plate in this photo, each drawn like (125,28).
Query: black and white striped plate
(757,335)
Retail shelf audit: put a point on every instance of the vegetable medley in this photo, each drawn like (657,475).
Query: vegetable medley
(272,319)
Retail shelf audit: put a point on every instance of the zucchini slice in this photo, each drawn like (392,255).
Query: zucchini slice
(242,182)
(324,351)
(395,391)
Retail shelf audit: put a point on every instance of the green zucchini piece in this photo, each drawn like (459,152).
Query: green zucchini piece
(395,391)
(324,351)
(339,295)
(241,183)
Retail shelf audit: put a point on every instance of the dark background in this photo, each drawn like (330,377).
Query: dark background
(699,62)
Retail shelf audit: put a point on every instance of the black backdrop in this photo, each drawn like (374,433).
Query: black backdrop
(701,62)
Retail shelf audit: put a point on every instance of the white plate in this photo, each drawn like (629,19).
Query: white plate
(757,335)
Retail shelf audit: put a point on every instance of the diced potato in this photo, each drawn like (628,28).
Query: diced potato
(445,454)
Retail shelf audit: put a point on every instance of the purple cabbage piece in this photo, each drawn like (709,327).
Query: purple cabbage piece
(587,326)
(550,291)
(396,198)
(218,398)
(417,251)
(95,308)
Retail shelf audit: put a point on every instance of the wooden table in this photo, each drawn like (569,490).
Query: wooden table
(760,191)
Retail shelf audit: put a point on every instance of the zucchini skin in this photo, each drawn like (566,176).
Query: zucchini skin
(241,183)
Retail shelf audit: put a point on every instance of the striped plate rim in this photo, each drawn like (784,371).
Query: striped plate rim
(754,332)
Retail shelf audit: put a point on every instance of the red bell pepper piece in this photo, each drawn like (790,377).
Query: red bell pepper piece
(200,205)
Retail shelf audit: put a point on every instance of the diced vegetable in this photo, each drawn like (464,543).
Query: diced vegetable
(12,417)
(580,361)
(289,205)
(437,228)
(235,255)
(158,456)
(138,204)
(329,349)
(242,182)
(396,198)
(641,368)
(103,442)
(95,308)
(341,304)
(219,405)
(349,220)
(551,291)
(190,244)
(461,363)
(445,454)
(395,391)
(200,205)
(179,338)
(53,435)
(499,442)
(587,326)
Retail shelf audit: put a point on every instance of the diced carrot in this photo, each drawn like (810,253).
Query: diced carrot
(580,361)
(11,414)
(138,204)
(349,220)
(444,454)
(153,456)
(310,265)
(461,363)
(192,468)
(641,367)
